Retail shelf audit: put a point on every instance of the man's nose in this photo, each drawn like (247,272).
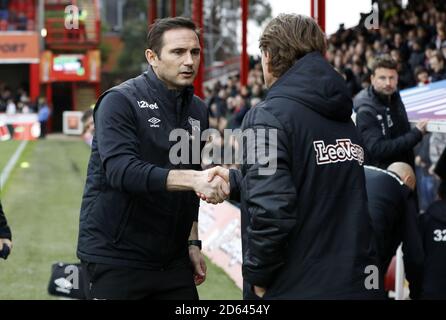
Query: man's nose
(188,60)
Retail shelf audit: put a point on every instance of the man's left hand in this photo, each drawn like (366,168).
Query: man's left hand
(259,291)
(197,259)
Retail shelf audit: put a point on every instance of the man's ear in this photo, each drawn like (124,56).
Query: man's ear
(267,58)
(151,57)
(410,181)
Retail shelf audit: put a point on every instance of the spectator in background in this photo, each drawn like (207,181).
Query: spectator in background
(417,56)
(382,120)
(5,235)
(421,76)
(43,116)
(437,66)
(241,108)
(11,107)
(440,39)
(428,153)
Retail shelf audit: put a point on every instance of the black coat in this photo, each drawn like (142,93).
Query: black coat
(306,232)
(394,218)
(5,231)
(127,216)
(433,227)
(385,129)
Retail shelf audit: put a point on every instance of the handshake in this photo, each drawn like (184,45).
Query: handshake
(212,185)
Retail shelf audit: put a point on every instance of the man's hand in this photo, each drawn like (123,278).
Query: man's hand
(211,187)
(199,264)
(421,125)
(259,291)
(216,174)
(8,243)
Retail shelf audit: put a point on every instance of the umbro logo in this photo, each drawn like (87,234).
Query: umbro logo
(195,124)
(144,104)
(63,285)
(154,122)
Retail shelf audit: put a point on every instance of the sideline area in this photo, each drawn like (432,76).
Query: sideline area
(42,202)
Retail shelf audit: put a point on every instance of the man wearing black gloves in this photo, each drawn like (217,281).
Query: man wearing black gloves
(306,233)
(394,216)
(382,119)
(138,236)
(5,235)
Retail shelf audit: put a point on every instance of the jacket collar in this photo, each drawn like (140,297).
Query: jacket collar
(170,97)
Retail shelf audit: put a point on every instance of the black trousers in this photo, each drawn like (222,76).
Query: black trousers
(43,129)
(122,283)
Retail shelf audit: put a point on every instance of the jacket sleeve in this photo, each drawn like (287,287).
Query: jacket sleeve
(5,231)
(375,142)
(235,179)
(270,197)
(413,250)
(194,206)
(118,146)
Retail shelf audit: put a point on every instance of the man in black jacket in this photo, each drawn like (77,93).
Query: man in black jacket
(394,216)
(433,228)
(5,235)
(306,232)
(382,119)
(135,223)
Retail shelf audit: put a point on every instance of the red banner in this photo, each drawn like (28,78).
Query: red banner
(19,127)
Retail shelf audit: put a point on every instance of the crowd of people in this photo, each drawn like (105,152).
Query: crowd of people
(408,50)
(415,38)
(19,102)
(15,101)
(17,15)
(312,226)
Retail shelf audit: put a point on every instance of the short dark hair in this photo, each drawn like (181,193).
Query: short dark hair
(384,61)
(157,29)
(419,70)
(438,55)
(289,37)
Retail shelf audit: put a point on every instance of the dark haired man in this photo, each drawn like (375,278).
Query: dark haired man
(135,223)
(382,119)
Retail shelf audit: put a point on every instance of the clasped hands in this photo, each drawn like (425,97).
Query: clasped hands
(212,185)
